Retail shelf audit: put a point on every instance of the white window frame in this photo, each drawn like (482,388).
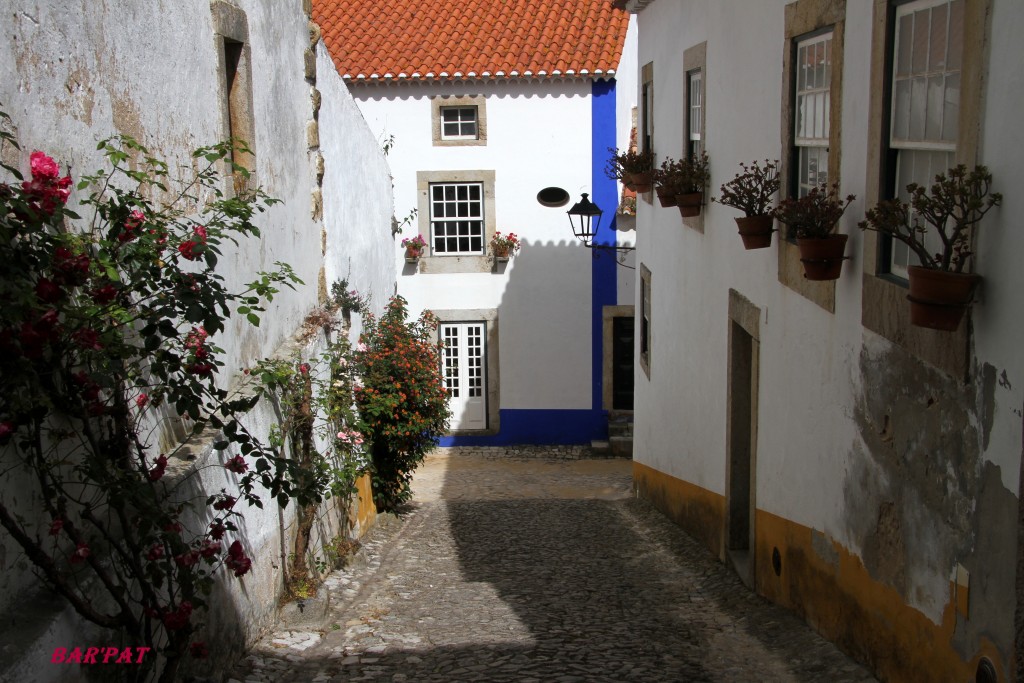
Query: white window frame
(477,229)
(646,142)
(812,102)
(461,122)
(923,150)
(695,89)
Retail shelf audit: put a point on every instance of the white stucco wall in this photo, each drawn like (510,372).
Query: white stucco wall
(810,370)
(358,200)
(538,135)
(626,98)
(72,74)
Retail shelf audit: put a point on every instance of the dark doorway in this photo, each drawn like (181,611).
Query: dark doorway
(622,363)
(740,444)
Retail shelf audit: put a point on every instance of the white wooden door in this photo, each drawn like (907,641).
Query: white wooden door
(464,373)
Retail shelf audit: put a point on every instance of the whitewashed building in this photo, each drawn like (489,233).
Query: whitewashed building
(481,107)
(857,469)
(178,76)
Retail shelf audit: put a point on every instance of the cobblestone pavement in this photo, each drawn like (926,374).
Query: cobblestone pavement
(545,571)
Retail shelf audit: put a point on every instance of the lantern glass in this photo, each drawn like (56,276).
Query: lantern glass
(585,218)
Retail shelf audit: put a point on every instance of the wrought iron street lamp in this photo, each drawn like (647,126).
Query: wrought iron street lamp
(585,219)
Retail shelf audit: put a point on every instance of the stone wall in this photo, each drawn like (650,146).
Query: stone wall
(72,74)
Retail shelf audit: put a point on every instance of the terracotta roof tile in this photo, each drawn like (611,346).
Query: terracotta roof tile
(374,38)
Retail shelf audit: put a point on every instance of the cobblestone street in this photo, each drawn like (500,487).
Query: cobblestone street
(517,569)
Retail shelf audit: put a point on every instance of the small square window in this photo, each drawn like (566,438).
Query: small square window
(459,123)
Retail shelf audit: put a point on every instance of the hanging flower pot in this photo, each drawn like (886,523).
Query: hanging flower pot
(689,204)
(681,182)
(756,231)
(414,248)
(504,246)
(631,167)
(822,256)
(412,255)
(643,182)
(665,196)
(939,298)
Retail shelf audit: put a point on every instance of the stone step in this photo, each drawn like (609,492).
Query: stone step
(621,446)
(600,449)
(620,428)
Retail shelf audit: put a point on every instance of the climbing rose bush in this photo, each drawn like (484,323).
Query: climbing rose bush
(402,402)
(108,329)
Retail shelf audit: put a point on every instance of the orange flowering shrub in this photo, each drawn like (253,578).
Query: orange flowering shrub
(402,401)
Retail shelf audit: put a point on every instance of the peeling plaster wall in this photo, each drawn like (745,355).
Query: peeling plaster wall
(889,486)
(74,73)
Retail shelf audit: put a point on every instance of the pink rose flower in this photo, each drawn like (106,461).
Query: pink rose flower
(81,552)
(236,464)
(43,166)
(158,470)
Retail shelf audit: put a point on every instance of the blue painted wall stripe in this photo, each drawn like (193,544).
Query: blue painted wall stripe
(560,427)
(563,427)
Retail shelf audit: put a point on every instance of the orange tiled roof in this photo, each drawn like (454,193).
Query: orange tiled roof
(395,40)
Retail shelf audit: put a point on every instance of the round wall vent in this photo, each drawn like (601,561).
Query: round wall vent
(553,197)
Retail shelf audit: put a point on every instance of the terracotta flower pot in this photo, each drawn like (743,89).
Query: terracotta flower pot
(642,182)
(689,204)
(664,198)
(938,298)
(502,253)
(412,254)
(822,257)
(756,231)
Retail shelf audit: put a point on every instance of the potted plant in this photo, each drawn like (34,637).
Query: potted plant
(812,219)
(635,169)
(665,182)
(751,192)
(685,180)
(940,290)
(504,246)
(414,248)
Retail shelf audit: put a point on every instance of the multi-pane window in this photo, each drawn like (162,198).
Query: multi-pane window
(457,218)
(927,51)
(459,123)
(812,110)
(647,108)
(696,115)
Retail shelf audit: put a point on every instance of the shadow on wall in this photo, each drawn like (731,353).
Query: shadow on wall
(544,367)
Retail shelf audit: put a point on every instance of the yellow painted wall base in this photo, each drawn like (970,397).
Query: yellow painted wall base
(365,512)
(829,587)
(701,513)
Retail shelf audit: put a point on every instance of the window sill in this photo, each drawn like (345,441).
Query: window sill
(456,264)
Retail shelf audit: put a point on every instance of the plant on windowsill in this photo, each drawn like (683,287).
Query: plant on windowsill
(940,290)
(685,180)
(635,169)
(751,191)
(505,246)
(812,219)
(414,248)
